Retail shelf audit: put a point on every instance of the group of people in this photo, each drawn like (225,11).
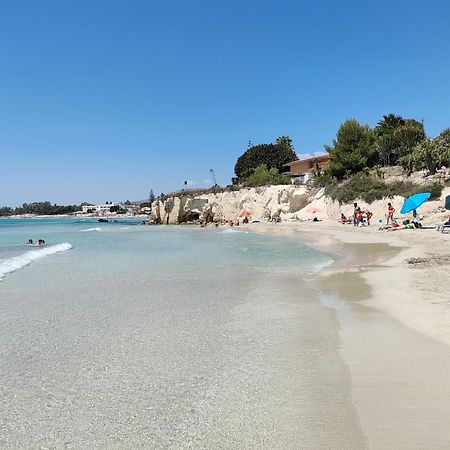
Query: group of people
(40,242)
(360,217)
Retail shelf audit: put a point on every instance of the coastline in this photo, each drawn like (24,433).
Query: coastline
(414,294)
(393,323)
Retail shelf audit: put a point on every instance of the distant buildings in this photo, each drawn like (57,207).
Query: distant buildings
(98,209)
(302,170)
(110,208)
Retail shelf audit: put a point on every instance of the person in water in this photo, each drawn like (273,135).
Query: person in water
(41,242)
(30,241)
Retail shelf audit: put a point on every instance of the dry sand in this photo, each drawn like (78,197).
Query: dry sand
(390,296)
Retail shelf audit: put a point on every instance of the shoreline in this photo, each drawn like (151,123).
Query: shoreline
(393,338)
(410,293)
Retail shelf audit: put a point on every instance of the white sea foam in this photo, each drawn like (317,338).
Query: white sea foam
(91,229)
(320,266)
(19,262)
(233,230)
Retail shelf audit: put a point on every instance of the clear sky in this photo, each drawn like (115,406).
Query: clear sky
(103,100)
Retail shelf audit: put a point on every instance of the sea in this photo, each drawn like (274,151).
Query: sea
(123,335)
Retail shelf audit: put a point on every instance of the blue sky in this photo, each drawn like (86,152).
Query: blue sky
(103,100)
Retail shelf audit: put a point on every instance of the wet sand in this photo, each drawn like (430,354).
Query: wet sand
(399,371)
(399,376)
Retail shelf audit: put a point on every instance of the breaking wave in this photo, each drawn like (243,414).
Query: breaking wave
(233,230)
(91,229)
(19,262)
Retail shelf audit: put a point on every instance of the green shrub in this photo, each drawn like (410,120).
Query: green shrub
(262,176)
(435,190)
(324,180)
(360,186)
(370,188)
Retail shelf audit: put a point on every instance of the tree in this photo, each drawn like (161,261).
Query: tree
(406,138)
(388,124)
(352,150)
(426,155)
(262,176)
(285,142)
(396,137)
(6,211)
(430,154)
(270,155)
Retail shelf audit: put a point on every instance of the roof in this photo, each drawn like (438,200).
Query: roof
(322,157)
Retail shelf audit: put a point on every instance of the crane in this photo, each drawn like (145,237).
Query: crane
(211,171)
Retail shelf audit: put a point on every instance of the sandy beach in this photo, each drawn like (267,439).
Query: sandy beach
(412,292)
(389,295)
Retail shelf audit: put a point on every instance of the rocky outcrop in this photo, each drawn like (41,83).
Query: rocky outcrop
(287,202)
(262,202)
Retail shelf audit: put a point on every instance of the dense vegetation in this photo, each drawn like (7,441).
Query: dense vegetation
(262,176)
(359,152)
(369,187)
(261,164)
(352,150)
(39,208)
(393,141)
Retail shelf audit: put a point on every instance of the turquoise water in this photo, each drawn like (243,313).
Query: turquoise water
(126,336)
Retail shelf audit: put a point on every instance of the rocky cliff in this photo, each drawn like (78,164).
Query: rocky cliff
(262,202)
(288,202)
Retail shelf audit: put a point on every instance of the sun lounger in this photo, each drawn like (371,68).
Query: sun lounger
(443,227)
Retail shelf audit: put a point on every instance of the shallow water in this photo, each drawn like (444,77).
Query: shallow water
(167,337)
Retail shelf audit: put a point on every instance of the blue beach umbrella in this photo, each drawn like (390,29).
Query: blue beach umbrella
(414,202)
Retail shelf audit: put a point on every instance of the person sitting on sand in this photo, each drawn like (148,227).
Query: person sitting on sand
(359,218)
(368,215)
(390,214)
(416,221)
(343,218)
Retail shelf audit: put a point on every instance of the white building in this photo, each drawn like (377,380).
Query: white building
(98,209)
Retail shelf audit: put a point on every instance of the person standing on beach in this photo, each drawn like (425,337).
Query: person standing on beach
(355,213)
(390,214)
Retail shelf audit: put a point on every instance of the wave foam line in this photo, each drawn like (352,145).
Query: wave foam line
(91,229)
(19,262)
